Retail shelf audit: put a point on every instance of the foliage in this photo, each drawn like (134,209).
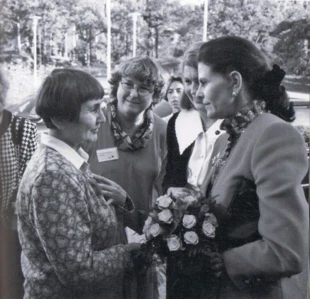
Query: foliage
(165,28)
(291,49)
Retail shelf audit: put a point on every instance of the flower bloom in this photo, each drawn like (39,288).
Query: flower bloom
(189,221)
(165,216)
(155,230)
(208,229)
(148,221)
(147,224)
(212,219)
(191,238)
(174,243)
(164,202)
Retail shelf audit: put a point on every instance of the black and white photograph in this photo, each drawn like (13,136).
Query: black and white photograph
(154,149)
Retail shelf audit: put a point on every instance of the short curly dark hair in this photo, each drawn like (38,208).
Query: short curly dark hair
(142,69)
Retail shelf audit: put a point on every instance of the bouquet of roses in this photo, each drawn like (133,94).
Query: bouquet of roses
(181,226)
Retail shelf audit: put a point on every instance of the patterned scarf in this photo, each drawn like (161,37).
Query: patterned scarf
(234,127)
(139,139)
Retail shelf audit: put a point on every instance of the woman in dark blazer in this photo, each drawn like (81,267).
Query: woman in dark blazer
(256,181)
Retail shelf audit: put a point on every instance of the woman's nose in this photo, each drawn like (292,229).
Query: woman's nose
(199,93)
(194,88)
(133,92)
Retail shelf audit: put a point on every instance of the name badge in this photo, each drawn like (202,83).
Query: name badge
(107,154)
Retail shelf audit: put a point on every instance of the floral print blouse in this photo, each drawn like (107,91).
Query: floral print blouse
(67,232)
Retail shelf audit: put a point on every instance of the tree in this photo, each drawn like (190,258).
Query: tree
(14,23)
(291,48)
(89,24)
(248,20)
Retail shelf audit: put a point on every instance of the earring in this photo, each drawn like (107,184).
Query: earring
(234,94)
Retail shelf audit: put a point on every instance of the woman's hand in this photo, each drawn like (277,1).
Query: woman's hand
(114,192)
(133,247)
(178,192)
(217,263)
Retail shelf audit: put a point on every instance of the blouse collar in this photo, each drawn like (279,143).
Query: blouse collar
(235,125)
(78,159)
(188,126)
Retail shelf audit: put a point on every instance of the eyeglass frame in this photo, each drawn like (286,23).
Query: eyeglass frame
(137,88)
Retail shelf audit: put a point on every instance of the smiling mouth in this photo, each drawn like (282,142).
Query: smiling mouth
(132,102)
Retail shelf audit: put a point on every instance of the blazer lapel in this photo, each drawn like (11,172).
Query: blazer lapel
(219,147)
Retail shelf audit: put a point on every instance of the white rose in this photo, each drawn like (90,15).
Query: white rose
(164,202)
(208,229)
(155,230)
(189,221)
(191,238)
(174,243)
(165,216)
(212,219)
(148,222)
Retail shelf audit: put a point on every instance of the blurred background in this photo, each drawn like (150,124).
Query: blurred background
(37,36)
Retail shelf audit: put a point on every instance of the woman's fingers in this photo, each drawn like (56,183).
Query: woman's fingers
(106,187)
(110,201)
(102,179)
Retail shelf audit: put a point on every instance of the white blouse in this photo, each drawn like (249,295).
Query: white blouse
(199,161)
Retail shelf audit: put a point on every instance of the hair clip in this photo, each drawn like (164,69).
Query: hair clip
(275,76)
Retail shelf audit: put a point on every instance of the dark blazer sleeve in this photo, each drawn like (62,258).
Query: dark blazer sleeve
(176,167)
(278,165)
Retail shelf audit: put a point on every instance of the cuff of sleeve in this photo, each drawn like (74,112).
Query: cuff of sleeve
(128,206)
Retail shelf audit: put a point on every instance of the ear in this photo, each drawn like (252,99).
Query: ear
(237,81)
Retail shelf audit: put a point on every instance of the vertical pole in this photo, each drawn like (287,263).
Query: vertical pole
(108,8)
(134,38)
(19,43)
(66,44)
(205,21)
(35,23)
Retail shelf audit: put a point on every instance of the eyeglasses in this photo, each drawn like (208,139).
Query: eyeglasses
(141,90)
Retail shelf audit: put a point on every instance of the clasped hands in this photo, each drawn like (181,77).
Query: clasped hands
(181,192)
(216,263)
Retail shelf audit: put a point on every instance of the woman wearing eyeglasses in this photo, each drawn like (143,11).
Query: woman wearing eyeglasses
(131,144)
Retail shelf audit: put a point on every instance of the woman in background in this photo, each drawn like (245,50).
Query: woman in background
(188,131)
(173,95)
(131,147)
(18,142)
(67,229)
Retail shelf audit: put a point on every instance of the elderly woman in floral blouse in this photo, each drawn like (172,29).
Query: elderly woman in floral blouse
(67,229)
